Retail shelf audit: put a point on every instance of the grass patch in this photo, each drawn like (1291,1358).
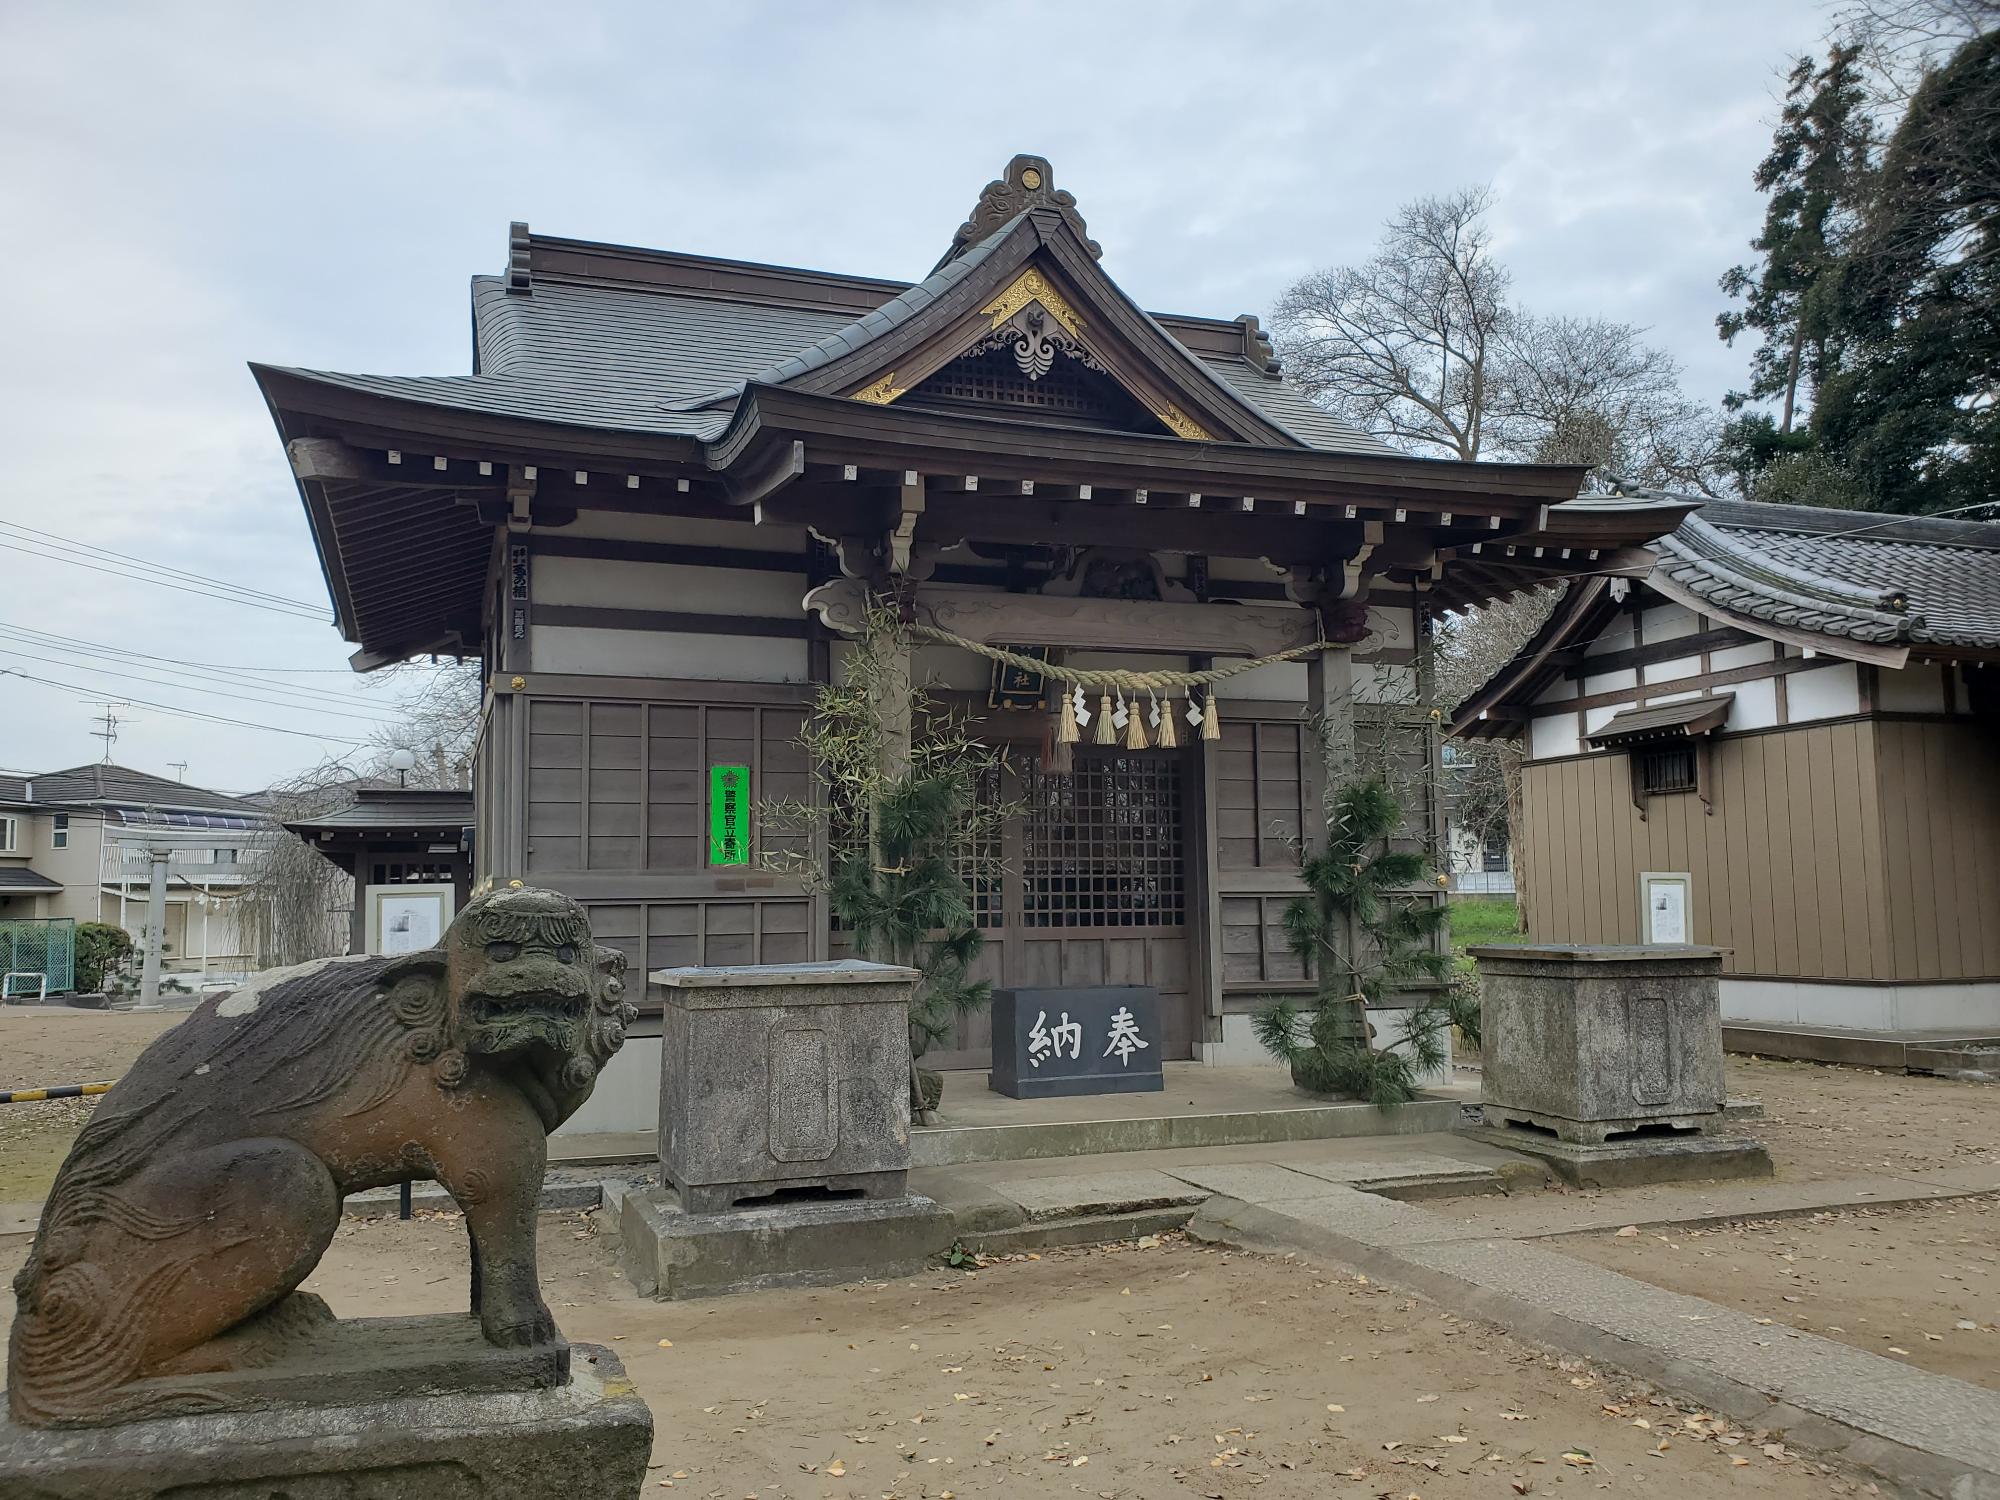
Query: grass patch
(1485,919)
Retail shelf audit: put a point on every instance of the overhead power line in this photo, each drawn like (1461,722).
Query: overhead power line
(347,711)
(115,565)
(190,713)
(274,692)
(52,538)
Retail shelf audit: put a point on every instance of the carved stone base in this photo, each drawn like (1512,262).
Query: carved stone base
(587,1440)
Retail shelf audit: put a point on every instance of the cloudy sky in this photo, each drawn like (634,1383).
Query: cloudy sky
(185,187)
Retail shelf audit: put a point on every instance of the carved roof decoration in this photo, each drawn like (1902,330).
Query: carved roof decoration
(1030,182)
(520,278)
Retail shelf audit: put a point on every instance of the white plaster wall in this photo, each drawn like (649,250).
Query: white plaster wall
(627,1097)
(1878,1007)
(1731,657)
(1281,682)
(1756,705)
(1595,719)
(1828,692)
(1555,735)
(1557,691)
(1673,669)
(1239,1047)
(1918,688)
(1665,623)
(1673,697)
(610,584)
(646,653)
(1611,682)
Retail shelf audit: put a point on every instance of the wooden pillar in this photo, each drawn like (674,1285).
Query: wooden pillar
(357,920)
(1330,704)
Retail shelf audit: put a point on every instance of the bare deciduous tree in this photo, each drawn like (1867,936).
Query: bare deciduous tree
(297,901)
(1902,40)
(1420,344)
(1400,344)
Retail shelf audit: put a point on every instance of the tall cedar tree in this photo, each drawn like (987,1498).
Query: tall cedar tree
(1912,415)
(1815,173)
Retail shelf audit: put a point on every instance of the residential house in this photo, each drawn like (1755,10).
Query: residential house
(75,844)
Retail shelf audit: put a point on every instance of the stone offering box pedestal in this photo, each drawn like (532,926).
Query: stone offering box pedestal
(1606,1061)
(373,1408)
(777,1077)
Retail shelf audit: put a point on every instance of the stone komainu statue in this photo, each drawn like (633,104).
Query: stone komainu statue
(209,1182)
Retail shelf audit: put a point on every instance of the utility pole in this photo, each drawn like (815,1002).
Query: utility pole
(156,929)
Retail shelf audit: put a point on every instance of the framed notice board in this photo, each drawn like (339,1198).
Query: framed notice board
(729,815)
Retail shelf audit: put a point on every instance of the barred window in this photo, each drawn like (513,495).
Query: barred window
(1102,845)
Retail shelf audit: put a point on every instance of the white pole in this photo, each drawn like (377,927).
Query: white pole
(156,929)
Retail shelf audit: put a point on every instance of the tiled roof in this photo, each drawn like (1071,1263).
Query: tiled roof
(120,786)
(636,358)
(1854,575)
(1658,721)
(21,878)
(392,808)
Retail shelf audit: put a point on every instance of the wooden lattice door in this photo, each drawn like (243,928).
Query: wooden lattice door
(1095,889)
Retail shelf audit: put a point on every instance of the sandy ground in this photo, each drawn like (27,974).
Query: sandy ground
(1826,1122)
(45,1045)
(1158,1369)
(1918,1284)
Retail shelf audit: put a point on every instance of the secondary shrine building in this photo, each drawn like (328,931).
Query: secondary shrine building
(670,482)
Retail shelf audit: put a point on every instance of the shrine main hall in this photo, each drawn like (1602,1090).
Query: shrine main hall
(658,506)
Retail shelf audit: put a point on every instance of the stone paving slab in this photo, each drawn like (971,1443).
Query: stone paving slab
(1257,1182)
(1411,1167)
(1933,1413)
(1075,1194)
(1544,1216)
(1932,1433)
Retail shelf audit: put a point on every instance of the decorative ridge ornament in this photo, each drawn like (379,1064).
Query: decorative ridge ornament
(1029,183)
(880,392)
(1032,286)
(1183,425)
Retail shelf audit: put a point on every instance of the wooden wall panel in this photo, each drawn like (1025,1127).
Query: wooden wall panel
(1856,850)
(1260,796)
(1940,835)
(614,792)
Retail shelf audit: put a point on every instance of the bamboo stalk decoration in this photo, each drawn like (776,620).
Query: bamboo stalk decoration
(1107,732)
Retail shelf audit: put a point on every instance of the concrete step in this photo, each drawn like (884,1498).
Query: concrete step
(953,1145)
(1915,1051)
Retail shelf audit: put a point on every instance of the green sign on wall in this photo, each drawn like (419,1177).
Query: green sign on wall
(729,815)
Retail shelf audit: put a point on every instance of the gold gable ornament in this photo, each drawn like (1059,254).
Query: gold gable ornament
(881,392)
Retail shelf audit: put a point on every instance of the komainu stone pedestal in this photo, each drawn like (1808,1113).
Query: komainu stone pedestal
(588,1439)
(784,1077)
(1606,1062)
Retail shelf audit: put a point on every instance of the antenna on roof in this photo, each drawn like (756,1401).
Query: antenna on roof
(180,769)
(109,733)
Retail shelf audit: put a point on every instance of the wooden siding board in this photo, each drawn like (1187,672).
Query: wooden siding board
(1844,781)
(1954,920)
(1763,862)
(1624,924)
(1590,906)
